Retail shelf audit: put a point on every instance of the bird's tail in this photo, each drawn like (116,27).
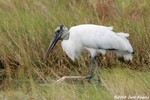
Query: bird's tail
(126,55)
(122,34)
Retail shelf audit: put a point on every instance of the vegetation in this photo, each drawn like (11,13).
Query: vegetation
(26,27)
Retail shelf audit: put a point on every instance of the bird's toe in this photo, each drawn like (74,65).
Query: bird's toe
(89,76)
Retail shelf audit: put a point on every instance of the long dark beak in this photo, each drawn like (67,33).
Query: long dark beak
(51,45)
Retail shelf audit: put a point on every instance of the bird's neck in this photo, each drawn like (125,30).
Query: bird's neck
(66,35)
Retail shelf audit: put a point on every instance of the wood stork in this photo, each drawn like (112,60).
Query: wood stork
(93,38)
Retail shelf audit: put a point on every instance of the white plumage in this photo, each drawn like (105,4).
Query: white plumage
(93,38)
(96,39)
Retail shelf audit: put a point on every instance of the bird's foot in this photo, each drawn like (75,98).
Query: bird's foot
(89,76)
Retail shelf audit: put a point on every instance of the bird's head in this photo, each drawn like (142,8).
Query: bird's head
(61,33)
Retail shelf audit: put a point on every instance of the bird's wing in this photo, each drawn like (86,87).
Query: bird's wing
(122,34)
(99,37)
(110,28)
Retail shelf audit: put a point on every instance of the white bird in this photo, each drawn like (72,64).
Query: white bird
(93,38)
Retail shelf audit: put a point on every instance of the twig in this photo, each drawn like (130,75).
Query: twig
(69,77)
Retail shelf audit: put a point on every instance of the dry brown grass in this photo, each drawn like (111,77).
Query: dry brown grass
(26,27)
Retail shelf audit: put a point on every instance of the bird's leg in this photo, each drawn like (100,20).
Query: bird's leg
(93,61)
(98,72)
(93,64)
(98,69)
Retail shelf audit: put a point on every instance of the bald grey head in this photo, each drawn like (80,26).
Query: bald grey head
(61,33)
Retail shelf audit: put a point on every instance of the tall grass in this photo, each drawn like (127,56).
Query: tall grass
(116,82)
(26,28)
